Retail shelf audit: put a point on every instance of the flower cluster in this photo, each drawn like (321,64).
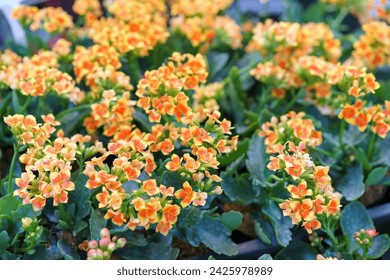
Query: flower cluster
(48,163)
(39,75)
(114,113)
(162,95)
(136,27)
(200,23)
(312,199)
(103,249)
(292,127)
(98,65)
(52,20)
(285,42)
(206,96)
(373,47)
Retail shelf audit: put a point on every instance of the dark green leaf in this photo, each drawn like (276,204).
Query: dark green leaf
(44,253)
(232,219)
(4,241)
(266,257)
(232,157)
(239,189)
(172,179)
(351,185)
(257,159)
(354,217)
(80,196)
(132,237)
(375,176)
(190,217)
(297,251)
(211,232)
(8,204)
(152,251)
(96,223)
(79,226)
(216,62)
(68,253)
(280,223)
(380,246)
(261,234)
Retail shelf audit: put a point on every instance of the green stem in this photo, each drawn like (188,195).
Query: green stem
(341,134)
(322,151)
(370,149)
(74,109)
(12,167)
(340,17)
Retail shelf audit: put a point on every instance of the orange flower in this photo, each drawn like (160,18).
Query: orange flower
(187,195)
(150,187)
(170,213)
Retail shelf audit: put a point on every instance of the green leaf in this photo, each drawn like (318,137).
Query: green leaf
(8,204)
(261,233)
(216,62)
(375,176)
(266,257)
(96,223)
(207,230)
(232,168)
(362,158)
(81,196)
(232,219)
(79,226)
(257,159)
(133,237)
(354,217)
(160,250)
(239,189)
(297,251)
(351,184)
(380,245)
(68,253)
(4,241)
(172,179)
(232,157)
(280,223)
(44,253)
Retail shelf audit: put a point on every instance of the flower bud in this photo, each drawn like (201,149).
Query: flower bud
(105,233)
(371,232)
(121,242)
(93,244)
(26,222)
(106,255)
(103,243)
(111,247)
(92,254)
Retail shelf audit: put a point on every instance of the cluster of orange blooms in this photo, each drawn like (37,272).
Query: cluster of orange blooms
(373,47)
(287,48)
(285,42)
(48,163)
(312,197)
(200,23)
(136,27)
(292,127)
(162,96)
(300,60)
(38,75)
(205,97)
(98,65)
(114,113)
(52,20)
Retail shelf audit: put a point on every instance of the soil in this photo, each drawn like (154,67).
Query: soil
(372,195)
(247,226)
(187,251)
